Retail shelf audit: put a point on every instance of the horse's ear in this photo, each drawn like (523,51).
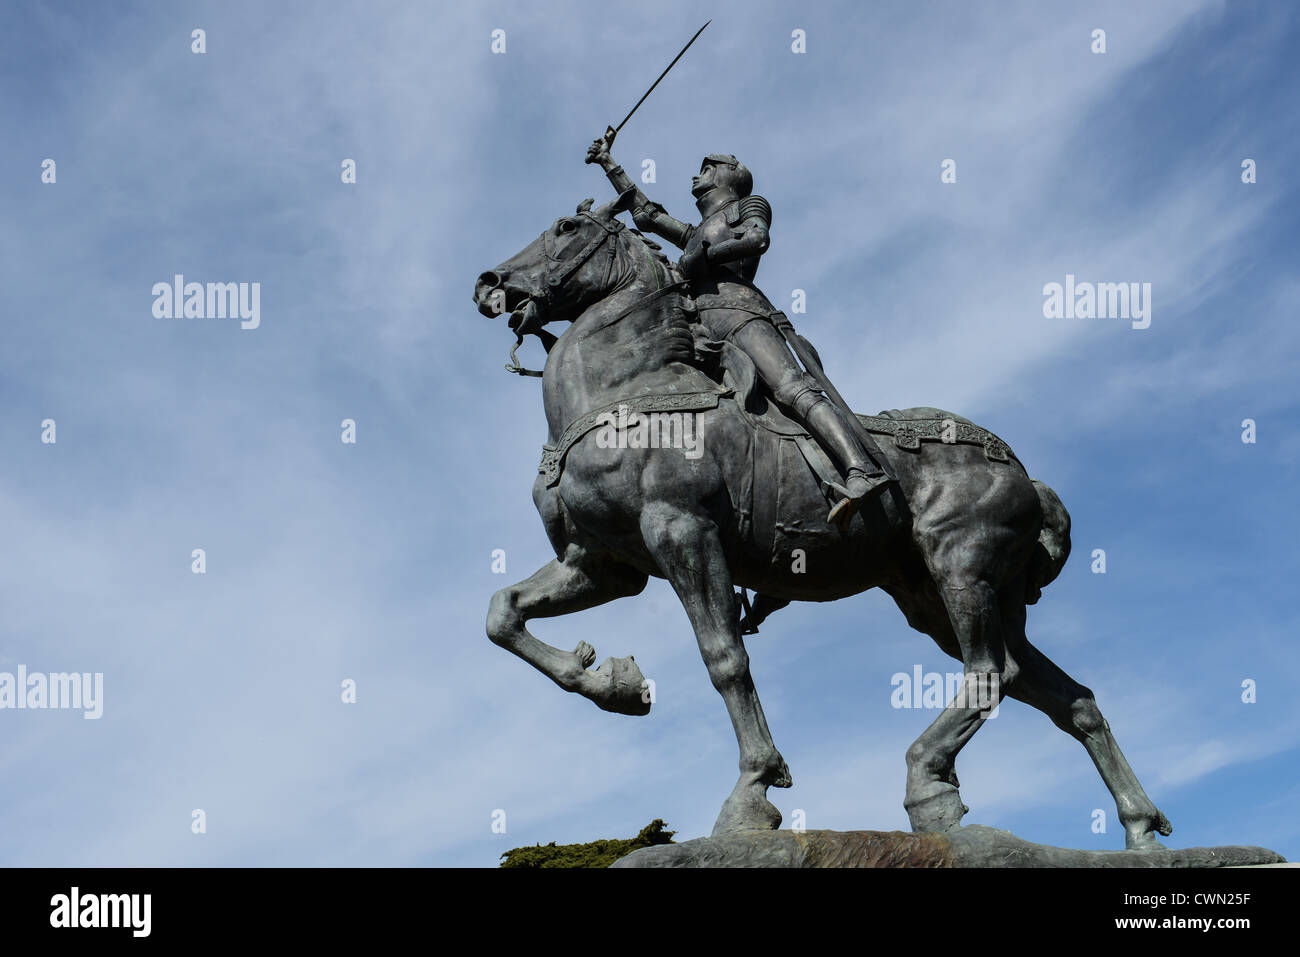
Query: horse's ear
(625,200)
(585,205)
(620,205)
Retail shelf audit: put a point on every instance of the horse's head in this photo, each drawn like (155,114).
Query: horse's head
(560,273)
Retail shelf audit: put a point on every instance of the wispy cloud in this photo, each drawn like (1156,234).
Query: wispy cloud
(328,561)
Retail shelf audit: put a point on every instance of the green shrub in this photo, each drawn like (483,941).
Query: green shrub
(593,854)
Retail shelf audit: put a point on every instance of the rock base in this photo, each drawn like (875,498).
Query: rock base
(974,846)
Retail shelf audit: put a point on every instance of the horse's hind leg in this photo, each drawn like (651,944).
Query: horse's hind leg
(1072,709)
(689,551)
(560,588)
(932,801)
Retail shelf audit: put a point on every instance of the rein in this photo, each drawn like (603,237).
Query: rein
(556,280)
(514,366)
(644,300)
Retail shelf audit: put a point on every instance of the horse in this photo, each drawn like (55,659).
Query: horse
(963,542)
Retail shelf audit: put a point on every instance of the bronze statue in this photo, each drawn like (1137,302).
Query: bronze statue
(963,541)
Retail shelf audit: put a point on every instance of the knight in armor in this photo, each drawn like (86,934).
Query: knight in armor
(720,258)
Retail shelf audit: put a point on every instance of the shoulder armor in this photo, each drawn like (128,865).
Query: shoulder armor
(754,207)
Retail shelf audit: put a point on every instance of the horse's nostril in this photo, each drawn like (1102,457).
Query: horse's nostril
(490,279)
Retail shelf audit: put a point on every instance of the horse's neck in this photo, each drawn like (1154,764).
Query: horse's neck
(634,342)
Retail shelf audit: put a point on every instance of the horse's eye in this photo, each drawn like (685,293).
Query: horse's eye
(567,226)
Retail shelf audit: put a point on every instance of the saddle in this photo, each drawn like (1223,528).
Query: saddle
(731,368)
(776,439)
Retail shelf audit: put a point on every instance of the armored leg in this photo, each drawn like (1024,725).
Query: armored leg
(798,393)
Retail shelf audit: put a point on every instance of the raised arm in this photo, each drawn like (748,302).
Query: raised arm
(647,214)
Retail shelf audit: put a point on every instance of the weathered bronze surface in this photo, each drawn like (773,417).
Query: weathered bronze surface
(940,512)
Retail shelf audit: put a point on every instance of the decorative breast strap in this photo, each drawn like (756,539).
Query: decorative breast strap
(552,464)
(908,434)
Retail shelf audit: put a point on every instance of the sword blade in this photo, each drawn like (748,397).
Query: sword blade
(661,76)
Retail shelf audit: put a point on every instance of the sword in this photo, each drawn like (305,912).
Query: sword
(612,131)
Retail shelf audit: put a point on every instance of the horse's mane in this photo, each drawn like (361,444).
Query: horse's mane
(656,250)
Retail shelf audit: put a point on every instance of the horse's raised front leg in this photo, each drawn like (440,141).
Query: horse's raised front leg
(689,552)
(559,588)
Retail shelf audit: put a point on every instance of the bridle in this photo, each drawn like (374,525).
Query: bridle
(562,271)
(555,280)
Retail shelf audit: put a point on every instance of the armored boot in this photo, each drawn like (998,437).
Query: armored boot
(800,393)
(862,478)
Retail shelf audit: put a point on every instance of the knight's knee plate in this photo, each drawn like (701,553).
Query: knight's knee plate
(797,394)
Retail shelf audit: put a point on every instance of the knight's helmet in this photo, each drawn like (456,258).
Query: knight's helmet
(740,178)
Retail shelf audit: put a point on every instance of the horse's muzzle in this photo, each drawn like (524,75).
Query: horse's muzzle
(489,295)
(495,295)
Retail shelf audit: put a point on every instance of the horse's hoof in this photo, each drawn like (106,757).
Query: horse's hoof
(1142,836)
(748,809)
(782,778)
(585,654)
(618,686)
(938,811)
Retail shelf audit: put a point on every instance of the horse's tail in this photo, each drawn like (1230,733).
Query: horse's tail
(1053,546)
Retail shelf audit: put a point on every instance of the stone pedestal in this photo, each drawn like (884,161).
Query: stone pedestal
(974,846)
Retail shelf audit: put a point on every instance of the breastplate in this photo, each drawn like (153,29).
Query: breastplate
(720,227)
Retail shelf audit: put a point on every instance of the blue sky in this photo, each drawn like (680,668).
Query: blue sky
(372,561)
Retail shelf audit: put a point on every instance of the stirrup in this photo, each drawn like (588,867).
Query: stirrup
(842,512)
(847,507)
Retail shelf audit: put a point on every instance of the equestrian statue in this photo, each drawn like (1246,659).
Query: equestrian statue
(790,495)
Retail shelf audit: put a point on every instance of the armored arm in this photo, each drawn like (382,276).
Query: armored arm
(647,214)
